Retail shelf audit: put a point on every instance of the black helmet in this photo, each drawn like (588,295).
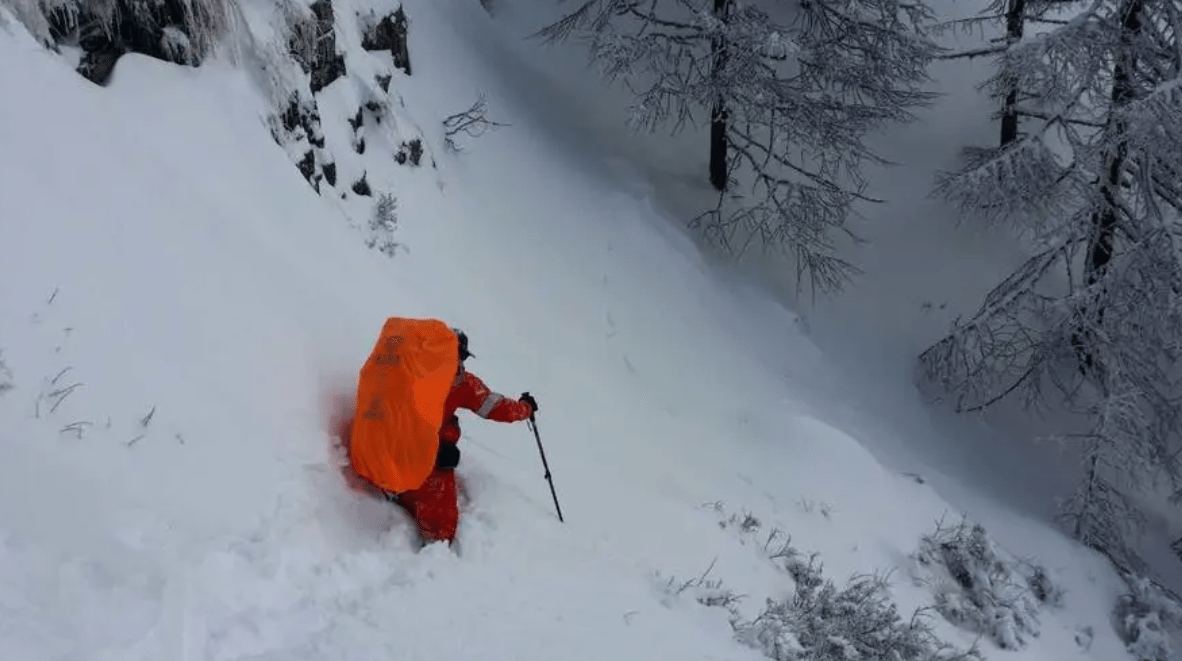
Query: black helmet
(463,337)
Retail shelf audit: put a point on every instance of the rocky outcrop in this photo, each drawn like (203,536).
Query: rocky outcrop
(313,44)
(409,152)
(299,129)
(389,34)
(157,29)
(361,186)
(187,31)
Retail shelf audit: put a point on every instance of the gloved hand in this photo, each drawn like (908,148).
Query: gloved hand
(448,455)
(529,399)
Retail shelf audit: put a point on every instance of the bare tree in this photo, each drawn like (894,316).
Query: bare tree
(1096,312)
(790,91)
(473,122)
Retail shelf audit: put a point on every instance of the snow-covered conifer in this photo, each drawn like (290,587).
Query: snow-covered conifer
(1093,320)
(790,90)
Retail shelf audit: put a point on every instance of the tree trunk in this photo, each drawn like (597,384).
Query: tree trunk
(1106,219)
(718,115)
(1081,522)
(1015,20)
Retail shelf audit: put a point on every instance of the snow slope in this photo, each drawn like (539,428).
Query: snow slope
(178,310)
(922,269)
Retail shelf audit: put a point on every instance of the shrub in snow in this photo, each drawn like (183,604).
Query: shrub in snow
(473,122)
(708,592)
(1045,591)
(1149,621)
(819,621)
(859,621)
(382,225)
(5,373)
(776,546)
(978,590)
(744,522)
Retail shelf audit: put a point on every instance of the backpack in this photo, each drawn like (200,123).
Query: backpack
(401,392)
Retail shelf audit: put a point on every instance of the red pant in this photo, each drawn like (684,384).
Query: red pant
(433,506)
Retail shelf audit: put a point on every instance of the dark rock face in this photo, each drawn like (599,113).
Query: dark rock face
(314,46)
(307,166)
(411,152)
(62,23)
(304,116)
(361,186)
(98,65)
(300,120)
(154,29)
(390,35)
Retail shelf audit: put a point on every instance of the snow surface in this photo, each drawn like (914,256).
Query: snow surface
(179,311)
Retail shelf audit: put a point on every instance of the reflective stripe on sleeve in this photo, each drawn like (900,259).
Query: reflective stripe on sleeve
(489,402)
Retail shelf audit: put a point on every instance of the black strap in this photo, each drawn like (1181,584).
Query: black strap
(448,455)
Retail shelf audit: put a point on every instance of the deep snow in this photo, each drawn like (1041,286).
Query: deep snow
(178,310)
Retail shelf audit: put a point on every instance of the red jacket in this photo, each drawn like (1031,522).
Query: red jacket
(469,392)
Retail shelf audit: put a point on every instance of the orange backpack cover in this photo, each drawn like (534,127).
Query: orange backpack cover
(400,398)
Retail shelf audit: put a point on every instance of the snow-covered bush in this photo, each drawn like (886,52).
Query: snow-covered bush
(776,545)
(859,621)
(978,590)
(818,621)
(5,373)
(706,591)
(1149,621)
(383,224)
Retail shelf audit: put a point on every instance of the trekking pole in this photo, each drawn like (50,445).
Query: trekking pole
(533,424)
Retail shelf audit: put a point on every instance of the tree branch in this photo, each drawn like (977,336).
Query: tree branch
(1058,118)
(979,52)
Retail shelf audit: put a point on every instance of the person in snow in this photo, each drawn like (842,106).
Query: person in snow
(434,505)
